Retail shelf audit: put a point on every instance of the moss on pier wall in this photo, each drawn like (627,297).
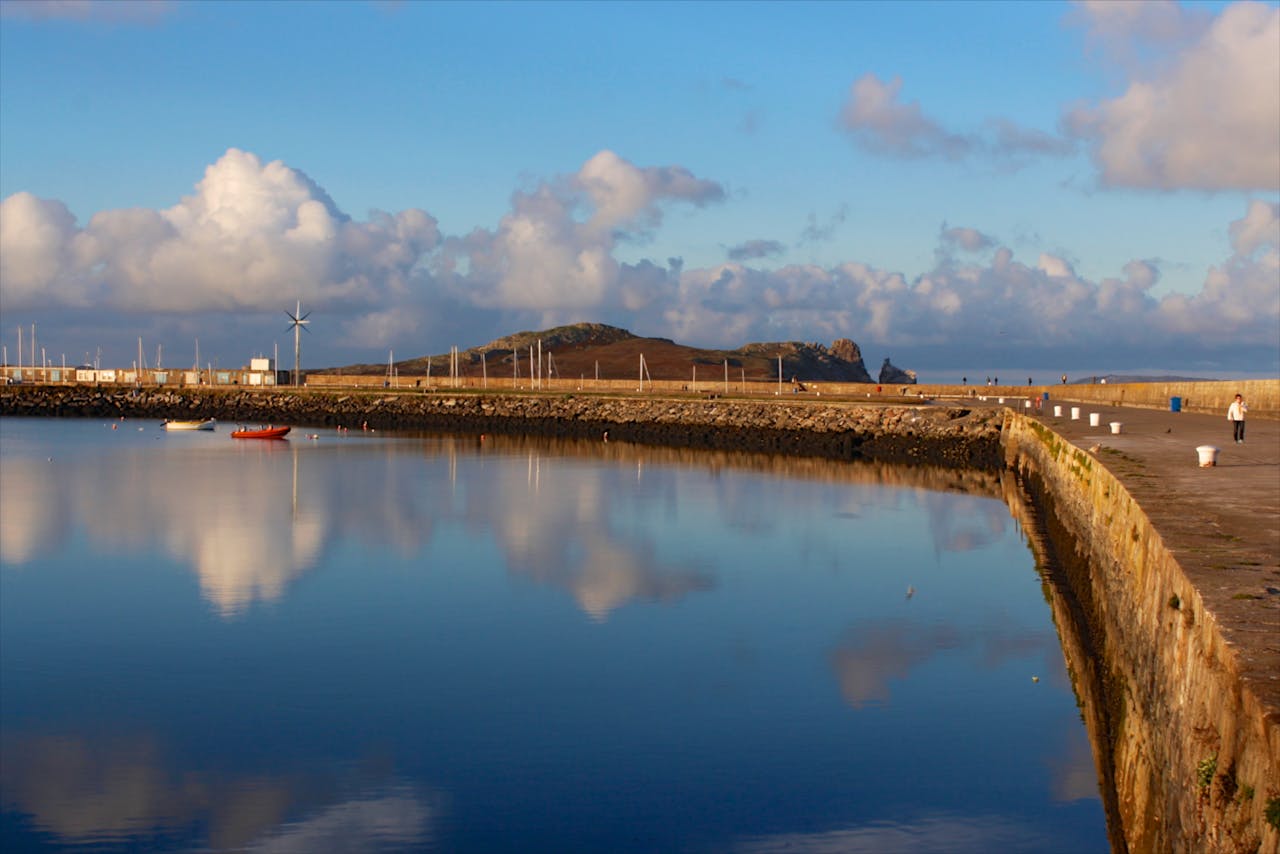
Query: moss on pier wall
(1187,739)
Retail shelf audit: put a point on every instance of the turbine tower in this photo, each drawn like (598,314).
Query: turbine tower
(297,321)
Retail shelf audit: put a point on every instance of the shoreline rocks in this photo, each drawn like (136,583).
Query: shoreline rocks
(953,436)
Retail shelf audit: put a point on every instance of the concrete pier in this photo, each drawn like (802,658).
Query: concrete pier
(1179,576)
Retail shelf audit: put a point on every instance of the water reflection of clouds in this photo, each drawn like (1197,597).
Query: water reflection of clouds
(32,506)
(871,657)
(934,834)
(120,793)
(956,522)
(560,528)
(222,516)
(867,661)
(399,819)
(964,523)
(251,519)
(1072,771)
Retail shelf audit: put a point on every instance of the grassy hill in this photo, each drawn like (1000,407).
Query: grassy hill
(591,349)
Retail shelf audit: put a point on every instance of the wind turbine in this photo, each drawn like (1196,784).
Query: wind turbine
(298,322)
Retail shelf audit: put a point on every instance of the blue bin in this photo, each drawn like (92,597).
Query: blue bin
(1175,404)
(1046,396)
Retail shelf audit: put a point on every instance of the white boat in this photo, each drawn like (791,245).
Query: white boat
(190,425)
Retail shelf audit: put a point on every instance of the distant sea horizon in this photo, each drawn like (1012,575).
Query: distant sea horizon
(1041,376)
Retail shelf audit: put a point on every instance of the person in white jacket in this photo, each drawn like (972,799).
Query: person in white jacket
(1235,414)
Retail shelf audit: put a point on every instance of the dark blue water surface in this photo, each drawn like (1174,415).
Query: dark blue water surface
(361,642)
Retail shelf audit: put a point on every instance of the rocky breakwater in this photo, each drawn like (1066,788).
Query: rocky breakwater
(940,435)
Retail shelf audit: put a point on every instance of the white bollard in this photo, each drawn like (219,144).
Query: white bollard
(1057,412)
(1095,419)
(1115,428)
(1075,413)
(1208,456)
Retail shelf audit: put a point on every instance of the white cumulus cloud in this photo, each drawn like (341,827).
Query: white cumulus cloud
(1205,116)
(553,253)
(881,123)
(878,121)
(997,304)
(253,235)
(968,239)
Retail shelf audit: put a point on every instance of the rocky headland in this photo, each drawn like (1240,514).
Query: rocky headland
(597,349)
(891,374)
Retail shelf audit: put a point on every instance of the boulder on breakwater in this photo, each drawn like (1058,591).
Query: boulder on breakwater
(940,435)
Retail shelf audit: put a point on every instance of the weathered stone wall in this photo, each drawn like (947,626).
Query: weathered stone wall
(1186,735)
(940,435)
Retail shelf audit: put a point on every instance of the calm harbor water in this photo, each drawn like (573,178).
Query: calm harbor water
(397,643)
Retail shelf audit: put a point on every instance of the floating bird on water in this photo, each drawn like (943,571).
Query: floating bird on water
(911,591)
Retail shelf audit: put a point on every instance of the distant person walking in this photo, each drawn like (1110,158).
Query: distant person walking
(1235,414)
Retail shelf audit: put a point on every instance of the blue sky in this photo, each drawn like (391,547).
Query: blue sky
(967,188)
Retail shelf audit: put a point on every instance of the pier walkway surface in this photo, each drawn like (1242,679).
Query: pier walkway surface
(1222,524)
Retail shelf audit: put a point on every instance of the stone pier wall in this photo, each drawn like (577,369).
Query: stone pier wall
(1187,738)
(938,435)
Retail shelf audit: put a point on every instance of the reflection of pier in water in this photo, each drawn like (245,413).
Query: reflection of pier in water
(936,478)
(1080,651)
